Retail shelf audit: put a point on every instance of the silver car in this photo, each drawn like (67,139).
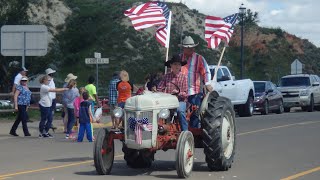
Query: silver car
(300,90)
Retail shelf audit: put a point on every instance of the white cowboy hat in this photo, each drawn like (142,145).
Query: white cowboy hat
(188,42)
(69,77)
(50,71)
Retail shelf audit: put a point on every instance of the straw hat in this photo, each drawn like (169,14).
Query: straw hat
(69,77)
(50,71)
(188,42)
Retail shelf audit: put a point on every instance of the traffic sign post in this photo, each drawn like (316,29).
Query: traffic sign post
(97,60)
(24,40)
(296,67)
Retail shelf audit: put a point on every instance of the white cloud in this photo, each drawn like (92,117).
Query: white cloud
(298,17)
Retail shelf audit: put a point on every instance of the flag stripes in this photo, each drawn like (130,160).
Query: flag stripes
(218,29)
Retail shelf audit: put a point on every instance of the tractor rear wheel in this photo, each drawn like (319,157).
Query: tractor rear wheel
(219,137)
(137,158)
(185,154)
(103,154)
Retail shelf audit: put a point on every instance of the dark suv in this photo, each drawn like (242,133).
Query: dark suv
(300,90)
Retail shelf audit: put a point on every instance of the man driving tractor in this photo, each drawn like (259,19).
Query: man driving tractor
(175,82)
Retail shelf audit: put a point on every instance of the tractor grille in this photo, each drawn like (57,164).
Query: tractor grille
(146,135)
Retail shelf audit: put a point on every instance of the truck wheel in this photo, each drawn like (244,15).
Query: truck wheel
(137,158)
(219,137)
(311,106)
(265,108)
(185,154)
(103,155)
(246,109)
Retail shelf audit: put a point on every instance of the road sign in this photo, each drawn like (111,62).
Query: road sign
(97,60)
(24,40)
(296,67)
(97,55)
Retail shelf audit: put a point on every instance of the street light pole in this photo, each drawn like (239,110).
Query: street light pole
(242,12)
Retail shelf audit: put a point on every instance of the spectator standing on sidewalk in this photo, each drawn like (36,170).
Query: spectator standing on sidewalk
(45,104)
(17,79)
(50,72)
(92,91)
(70,96)
(22,97)
(64,114)
(85,119)
(113,96)
(23,72)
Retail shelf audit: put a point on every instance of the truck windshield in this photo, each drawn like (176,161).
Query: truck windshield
(259,86)
(295,81)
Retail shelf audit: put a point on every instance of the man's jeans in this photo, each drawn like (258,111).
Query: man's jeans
(182,116)
(195,99)
(46,119)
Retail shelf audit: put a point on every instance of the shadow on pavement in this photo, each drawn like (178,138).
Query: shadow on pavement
(121,169)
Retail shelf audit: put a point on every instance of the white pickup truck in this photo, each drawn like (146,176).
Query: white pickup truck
(240,92)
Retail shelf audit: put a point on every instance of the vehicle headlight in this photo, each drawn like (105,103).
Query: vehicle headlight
(164,113)
(304,92)
(118,112)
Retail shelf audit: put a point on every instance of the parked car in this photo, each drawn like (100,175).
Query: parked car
(5,104)
(300,90)
(267,98)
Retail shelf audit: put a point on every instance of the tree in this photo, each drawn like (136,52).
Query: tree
(251,18)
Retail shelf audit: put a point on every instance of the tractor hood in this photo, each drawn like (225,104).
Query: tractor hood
(151,101)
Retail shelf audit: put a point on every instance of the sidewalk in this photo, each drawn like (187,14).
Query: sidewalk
(34,127)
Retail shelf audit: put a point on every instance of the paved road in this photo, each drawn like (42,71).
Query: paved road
(269,147)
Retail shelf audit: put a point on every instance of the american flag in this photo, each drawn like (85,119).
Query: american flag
(146,15)
(218,29)
(163,32)
(137,125)
(154,13)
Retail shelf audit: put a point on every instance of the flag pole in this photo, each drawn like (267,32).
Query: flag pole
(168,40)
(219,62)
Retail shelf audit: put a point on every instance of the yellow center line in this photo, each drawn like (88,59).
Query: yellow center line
(48,168)
(302,174)
(278,127)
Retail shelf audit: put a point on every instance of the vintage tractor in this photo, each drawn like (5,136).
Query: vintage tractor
(151,123)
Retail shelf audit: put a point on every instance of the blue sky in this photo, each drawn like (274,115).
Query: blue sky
(298,17)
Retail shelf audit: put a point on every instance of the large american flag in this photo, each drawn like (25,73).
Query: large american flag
(218,29)
(146,15)
(163,32)
(150,14)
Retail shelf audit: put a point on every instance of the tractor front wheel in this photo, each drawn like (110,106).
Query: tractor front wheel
(103,153)
(185,154)
(137,158)
(219,137)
